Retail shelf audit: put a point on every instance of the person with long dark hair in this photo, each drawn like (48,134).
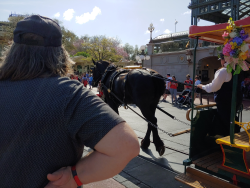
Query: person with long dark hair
(46,118)
(222,86)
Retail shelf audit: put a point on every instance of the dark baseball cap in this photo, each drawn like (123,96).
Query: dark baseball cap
(221,56)
(39,25)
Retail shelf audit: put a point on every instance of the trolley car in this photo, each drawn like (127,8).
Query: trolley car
(218,161)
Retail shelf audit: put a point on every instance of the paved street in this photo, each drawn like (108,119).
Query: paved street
(150,170)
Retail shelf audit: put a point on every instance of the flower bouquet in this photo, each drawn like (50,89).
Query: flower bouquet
(236,47)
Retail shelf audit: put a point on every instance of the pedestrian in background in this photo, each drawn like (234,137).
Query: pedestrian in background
(167,90)
(173,90)
(197,90)
(84,80)
(90,81)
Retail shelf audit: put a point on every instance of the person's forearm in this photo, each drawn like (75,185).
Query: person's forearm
(112,154)
(98,166)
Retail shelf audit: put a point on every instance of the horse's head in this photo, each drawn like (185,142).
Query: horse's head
(98,71)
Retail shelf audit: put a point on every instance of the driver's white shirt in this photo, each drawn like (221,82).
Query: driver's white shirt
(220,77)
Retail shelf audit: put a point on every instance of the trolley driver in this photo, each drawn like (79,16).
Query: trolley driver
(222,86)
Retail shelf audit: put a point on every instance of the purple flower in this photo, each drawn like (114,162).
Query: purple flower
(238,40)
(242,32)
(232,52)
(244,37)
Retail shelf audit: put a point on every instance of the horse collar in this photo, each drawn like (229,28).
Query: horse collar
(108,69)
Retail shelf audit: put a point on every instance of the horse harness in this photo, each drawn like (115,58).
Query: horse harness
(114,75)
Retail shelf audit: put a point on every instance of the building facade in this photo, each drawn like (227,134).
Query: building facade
(170,52)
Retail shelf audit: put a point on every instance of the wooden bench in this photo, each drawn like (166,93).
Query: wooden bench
(234,155)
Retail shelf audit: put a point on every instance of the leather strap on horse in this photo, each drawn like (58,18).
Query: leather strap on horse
(116,73)
(165,112)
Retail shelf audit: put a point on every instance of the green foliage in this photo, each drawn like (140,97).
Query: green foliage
(136,51)
(68,37)
(102,48)
(9,28)
(238,69)
(229,68)
(129,49)
(85,54)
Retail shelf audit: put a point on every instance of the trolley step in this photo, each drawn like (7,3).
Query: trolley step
(198,179)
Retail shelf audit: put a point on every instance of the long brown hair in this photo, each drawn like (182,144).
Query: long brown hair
(22,61)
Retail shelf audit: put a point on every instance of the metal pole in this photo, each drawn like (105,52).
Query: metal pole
(233,102)
(194,77)
(192,112)
(233,108)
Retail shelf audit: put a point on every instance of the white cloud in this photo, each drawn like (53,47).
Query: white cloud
(162,20)
(88,16)
(167,31)
(68,14)
(57,14)
(146,32)
(187,12)
(156,31)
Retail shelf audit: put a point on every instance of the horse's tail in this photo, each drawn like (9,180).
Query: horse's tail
(159,84)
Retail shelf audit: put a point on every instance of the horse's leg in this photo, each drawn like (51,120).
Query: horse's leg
(146,141)
(149,113)
(159,145)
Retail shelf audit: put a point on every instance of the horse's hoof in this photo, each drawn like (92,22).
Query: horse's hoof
(145,143)
(161,150)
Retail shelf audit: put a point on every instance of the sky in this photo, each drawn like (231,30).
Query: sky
(128,20)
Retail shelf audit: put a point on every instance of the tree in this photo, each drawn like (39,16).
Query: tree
(103,48)
(68,38)
(136,51)
(9,28)
(85,54)
(7,31)
(78,47)
(129,49)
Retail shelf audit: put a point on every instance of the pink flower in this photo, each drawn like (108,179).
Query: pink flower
(225,34)
(247,40)
(227,49)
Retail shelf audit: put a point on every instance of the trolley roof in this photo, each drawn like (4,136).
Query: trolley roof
(214,33)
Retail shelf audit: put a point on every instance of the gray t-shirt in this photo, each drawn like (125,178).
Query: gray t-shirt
(44,124)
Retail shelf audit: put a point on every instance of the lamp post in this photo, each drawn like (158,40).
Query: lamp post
(142,56)
(151,28)
(188,54)
(175,25)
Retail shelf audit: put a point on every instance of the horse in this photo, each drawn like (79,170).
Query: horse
(136,86)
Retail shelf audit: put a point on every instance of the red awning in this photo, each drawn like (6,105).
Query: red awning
(214,33)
